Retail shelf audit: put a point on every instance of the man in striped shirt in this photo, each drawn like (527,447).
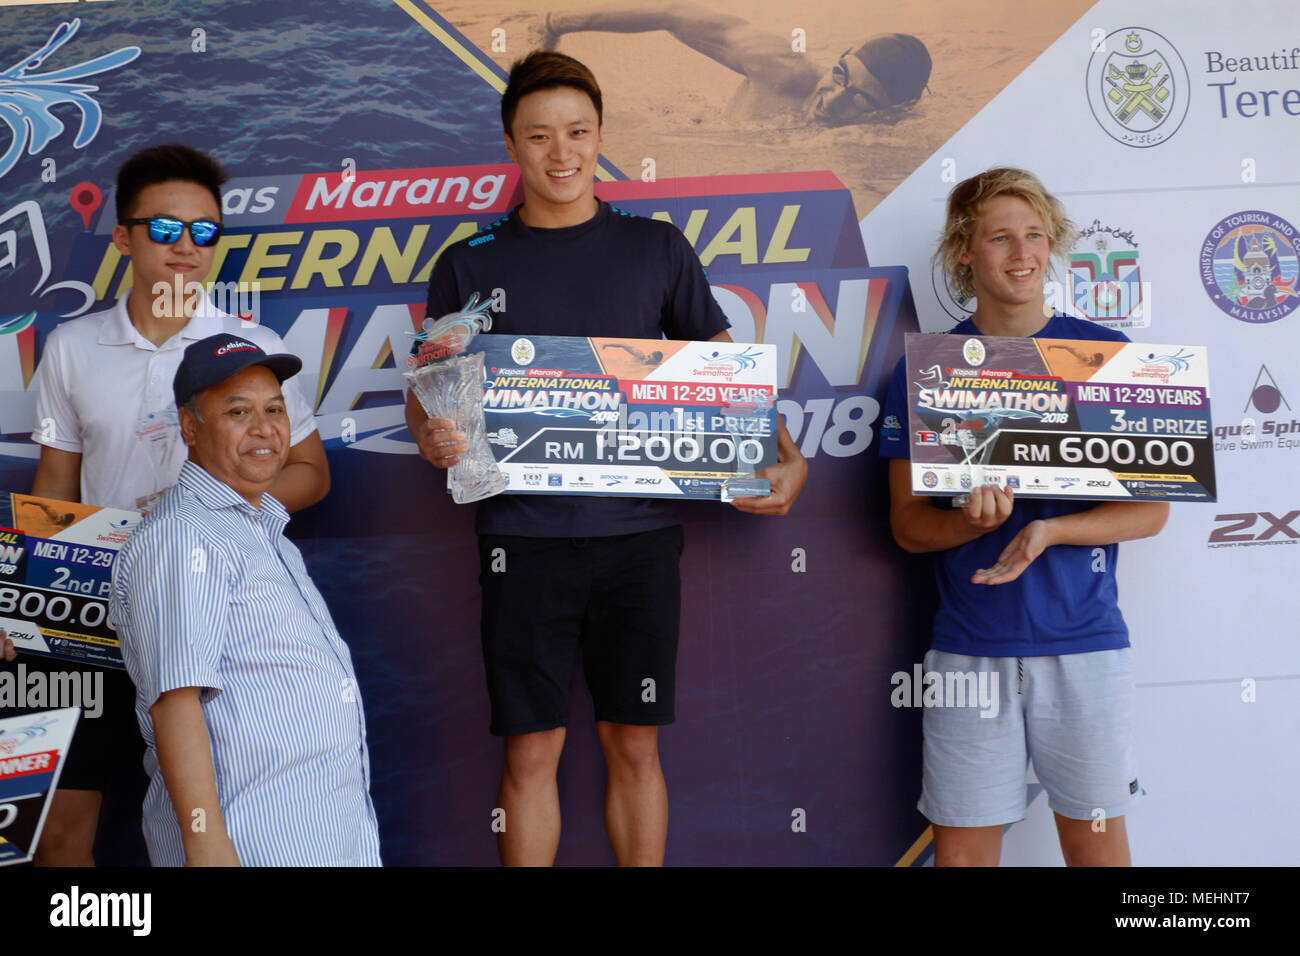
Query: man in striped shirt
(246,695)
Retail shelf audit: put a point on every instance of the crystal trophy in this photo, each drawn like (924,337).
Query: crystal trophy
(449,384)
(745,484)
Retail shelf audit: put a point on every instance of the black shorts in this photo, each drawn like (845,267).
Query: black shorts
(617,599)
(107,752)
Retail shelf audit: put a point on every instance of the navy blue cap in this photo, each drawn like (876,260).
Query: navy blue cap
(211,361)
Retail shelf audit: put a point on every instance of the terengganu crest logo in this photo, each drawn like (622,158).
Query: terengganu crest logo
(973,352)
(1249,266)
(1138,87)
(522,351)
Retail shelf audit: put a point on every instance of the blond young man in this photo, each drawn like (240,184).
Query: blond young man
(1022,593)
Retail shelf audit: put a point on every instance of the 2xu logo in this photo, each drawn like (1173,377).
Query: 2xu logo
(1237,525)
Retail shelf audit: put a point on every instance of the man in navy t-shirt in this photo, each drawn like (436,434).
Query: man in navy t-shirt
(560,573)
(1027,589)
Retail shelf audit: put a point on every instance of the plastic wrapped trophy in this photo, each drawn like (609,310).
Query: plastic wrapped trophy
(745,484)
(449,384)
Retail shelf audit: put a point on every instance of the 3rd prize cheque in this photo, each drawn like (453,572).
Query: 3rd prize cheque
(1056,418)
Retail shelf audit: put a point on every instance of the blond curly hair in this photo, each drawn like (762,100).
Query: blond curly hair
(963,217)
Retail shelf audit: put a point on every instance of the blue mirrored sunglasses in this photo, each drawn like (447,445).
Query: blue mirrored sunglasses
(166,230)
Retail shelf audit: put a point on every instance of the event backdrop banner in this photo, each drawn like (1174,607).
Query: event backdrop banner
(363,137)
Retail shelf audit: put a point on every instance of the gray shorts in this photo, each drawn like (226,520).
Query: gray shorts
(1072,715)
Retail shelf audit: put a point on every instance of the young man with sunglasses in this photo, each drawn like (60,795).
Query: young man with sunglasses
(107,423)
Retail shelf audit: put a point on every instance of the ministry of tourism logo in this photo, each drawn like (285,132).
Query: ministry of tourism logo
(1248,265)
(1105,279)
(1138,87)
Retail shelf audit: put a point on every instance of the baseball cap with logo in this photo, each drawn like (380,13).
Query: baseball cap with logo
(211,361)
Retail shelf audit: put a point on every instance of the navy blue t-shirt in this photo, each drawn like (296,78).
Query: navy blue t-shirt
(617,275)
(1066,602)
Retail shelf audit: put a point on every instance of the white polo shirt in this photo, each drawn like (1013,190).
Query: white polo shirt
(105,392)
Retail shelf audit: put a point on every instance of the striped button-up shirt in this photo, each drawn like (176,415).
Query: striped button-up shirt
(208,593)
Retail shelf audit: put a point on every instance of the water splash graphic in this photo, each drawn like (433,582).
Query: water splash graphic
(26,98)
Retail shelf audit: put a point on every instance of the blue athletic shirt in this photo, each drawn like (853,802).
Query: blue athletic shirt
(1066,600)
(617,274)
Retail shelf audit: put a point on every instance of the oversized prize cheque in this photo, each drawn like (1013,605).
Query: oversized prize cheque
(56,568)
(654,418)
(1057,418)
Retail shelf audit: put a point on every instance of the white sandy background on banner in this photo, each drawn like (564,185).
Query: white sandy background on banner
(1214,628)
(668,102)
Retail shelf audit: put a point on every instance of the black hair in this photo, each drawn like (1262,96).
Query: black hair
(161,164)
(900,62)
(545,70)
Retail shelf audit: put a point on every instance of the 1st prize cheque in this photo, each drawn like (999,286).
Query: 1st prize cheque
(1054,418)
(642,417)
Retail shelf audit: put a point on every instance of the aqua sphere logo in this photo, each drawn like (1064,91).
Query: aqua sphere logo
(1249,266)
